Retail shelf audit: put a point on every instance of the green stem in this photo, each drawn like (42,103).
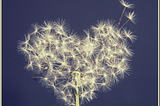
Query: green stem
(77,97)
(76,79)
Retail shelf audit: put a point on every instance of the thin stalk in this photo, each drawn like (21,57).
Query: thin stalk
(123,25)
(121,15)
(77,81)
(77,97)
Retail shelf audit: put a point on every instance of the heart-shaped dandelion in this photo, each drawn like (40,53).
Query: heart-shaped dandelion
(75,68)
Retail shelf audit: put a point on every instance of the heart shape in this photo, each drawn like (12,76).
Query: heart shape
(75,68)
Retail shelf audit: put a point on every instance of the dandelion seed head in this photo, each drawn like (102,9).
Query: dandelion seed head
(126,4)
(79,67)
(131,16)
(128,34)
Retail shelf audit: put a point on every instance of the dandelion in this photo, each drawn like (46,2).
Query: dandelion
(126,5)
(128,34)
(131,16)
(76,68)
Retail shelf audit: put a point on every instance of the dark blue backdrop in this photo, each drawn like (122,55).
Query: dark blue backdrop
(138,89)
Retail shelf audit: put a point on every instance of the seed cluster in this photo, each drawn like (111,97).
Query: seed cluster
(74,66)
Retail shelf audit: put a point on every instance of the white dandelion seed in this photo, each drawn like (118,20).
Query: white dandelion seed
(131,16)
(126,4)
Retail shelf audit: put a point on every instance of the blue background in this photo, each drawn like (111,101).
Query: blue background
(138,89)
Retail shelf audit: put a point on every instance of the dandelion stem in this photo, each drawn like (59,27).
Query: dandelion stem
(77,96)
(77,75)
(121,16)
(123,25)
